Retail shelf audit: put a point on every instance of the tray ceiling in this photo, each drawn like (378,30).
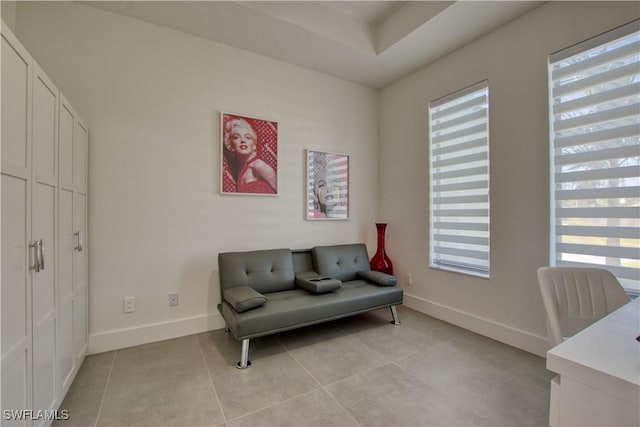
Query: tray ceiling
(373,43)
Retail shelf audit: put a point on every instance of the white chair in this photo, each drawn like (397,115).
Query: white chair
(574,298)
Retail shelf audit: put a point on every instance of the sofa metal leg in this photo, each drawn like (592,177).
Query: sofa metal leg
(226,328)
(394,313)
(244,362)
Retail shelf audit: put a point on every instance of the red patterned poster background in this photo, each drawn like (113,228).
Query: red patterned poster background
(267,150)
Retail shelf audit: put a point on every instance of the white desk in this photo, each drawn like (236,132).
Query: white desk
(599,373)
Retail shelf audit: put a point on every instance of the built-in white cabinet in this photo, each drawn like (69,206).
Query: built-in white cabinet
(44,277)
(17,256)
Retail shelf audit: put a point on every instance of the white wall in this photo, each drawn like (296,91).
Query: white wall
(513,58)
(152,98)
(8,14)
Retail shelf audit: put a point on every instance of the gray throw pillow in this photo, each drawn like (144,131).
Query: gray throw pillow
(243,298)
(379,278)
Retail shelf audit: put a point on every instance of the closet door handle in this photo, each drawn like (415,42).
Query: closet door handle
(36,265)
(41,250)
(78,234)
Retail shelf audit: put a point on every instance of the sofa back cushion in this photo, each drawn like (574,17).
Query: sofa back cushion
(341,262)
(265,271)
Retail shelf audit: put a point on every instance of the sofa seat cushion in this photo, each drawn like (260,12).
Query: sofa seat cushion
(295,308)
(243,298)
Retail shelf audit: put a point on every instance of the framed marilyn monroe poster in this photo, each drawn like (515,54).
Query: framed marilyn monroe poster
(249,155)
(327,185)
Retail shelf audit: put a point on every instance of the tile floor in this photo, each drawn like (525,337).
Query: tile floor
(359,371)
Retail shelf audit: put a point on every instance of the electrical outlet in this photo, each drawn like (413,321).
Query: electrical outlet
(408,279)
(173,299)
(129,304)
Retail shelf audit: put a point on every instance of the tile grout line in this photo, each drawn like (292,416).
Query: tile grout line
(106,386)
(323,387)
(384,356)
(215,392)
(366,371)
(386,362)
(286,400)
(275,404)
(395,360)
(390,358)
(319,383)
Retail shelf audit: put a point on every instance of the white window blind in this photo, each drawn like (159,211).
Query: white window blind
(459,172)
(595,154)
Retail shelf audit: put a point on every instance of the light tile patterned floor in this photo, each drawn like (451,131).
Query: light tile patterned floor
(359,371)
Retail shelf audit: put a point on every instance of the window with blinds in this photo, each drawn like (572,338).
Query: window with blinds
(459,172)
(595,154)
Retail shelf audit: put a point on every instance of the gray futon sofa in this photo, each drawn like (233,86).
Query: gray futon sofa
(269,291)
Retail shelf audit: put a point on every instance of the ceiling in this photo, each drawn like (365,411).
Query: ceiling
(373,43)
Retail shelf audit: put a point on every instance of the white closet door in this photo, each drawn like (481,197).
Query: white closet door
(66,360)
(66,242)
(44,279)
(45,127)
(80,261)
(65,143)
(80,279)
(80,157)
(16,175)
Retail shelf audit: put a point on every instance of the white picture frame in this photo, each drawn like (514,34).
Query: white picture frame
(327,186)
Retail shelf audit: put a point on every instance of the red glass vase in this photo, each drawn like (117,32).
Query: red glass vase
(380,261)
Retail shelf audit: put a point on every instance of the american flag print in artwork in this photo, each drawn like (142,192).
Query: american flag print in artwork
(327,185)
(249,155)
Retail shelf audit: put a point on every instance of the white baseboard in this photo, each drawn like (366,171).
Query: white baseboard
(500,332)
(128,337)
